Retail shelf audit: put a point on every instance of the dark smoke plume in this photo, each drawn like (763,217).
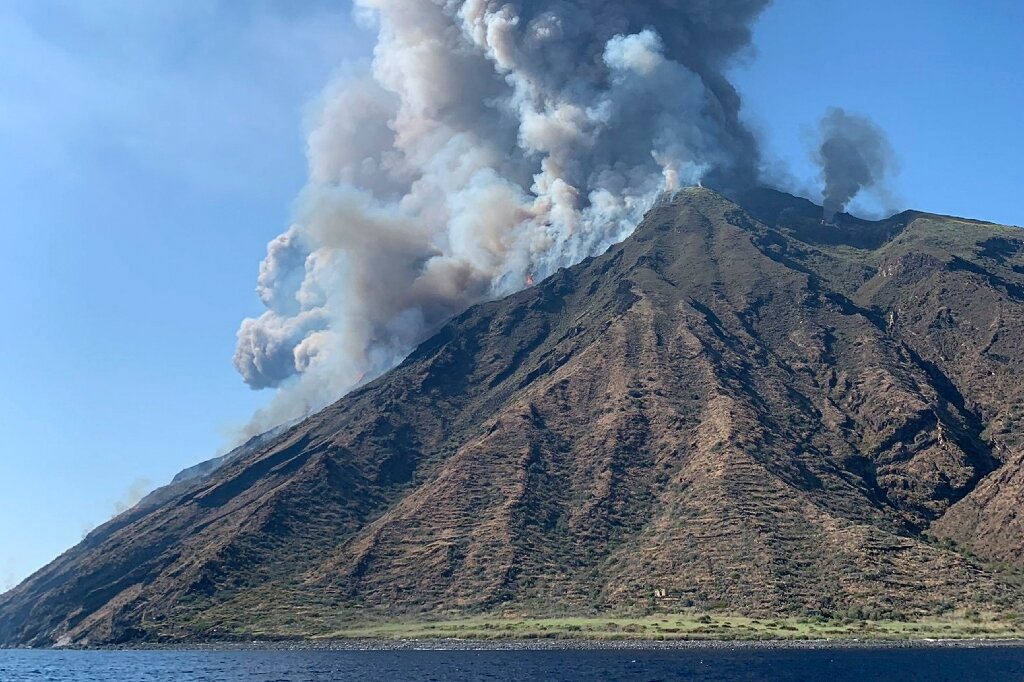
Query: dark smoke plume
(490,142)
(854,156)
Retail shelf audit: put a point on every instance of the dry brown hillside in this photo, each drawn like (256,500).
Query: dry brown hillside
(738,405)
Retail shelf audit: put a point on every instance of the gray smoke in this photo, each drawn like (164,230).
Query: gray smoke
(138,489)
(854,156)
(488,143)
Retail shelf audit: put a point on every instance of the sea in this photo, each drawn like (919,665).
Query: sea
(997,664)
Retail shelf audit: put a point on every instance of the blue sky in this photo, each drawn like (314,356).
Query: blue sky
(944,79)
(148,152)
(147,158)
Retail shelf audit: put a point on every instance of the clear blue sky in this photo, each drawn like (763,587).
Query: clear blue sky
(148,151)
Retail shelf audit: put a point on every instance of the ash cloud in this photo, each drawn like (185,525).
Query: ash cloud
(854,156)
(488,143)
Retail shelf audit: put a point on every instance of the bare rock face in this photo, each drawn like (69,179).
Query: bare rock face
(737,408)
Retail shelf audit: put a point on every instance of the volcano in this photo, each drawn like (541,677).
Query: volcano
(737,408)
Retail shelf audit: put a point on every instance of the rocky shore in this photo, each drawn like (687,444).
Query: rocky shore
(561,644)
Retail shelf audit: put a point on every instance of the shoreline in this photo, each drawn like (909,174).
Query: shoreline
(560,644)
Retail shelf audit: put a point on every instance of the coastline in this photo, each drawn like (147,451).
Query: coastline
(610,632)
(552,644)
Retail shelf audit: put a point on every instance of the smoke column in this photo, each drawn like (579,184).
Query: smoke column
(488,142)
(854,156)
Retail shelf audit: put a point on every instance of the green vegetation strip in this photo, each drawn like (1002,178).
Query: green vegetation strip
(690,628)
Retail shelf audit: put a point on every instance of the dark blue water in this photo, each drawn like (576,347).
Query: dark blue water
(933,665)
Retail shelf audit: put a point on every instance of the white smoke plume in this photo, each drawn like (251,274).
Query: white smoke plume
(854,156)
(488,143)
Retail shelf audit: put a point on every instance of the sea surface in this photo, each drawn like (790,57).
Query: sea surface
(719,665)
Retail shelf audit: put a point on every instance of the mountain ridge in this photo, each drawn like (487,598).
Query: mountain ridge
(738,407)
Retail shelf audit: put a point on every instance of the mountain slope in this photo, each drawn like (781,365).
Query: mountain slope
(738,405)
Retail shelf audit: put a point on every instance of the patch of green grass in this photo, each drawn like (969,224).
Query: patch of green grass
(687,627)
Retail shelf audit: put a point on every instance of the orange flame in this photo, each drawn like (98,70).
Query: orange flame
(529,280)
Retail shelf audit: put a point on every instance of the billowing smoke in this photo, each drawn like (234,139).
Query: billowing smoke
(488,143)
(854,156)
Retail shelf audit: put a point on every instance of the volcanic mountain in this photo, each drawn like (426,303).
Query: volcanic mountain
(737,408)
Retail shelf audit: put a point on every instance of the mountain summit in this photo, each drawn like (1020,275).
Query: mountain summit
(737,408)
